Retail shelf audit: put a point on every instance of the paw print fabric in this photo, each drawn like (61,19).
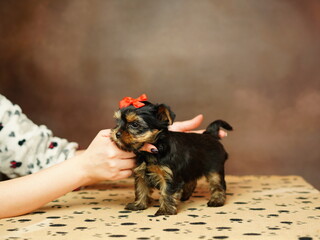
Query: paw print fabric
(25,147)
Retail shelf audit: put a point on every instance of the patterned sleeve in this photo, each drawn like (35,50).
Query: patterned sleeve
(25,147)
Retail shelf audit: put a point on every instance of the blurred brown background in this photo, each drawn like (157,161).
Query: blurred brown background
(256,64)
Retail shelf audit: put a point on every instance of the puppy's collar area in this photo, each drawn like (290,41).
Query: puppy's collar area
(136,102)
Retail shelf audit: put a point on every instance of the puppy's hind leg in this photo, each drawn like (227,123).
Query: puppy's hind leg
(188,189)
(217,189)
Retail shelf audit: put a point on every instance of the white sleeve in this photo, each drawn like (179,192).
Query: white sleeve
(25,147)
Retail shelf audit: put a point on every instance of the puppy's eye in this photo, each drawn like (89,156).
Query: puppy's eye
(134,125)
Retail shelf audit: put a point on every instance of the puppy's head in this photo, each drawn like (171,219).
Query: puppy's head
(139,125)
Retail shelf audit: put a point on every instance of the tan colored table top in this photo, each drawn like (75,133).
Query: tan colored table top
(257,207)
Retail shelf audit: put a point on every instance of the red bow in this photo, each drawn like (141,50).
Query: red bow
(137,103)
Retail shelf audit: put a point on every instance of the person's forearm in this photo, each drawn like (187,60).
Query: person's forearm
(18,198)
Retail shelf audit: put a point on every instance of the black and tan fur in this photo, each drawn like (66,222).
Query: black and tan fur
(182,158)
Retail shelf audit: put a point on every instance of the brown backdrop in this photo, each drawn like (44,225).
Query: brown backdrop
(252,63)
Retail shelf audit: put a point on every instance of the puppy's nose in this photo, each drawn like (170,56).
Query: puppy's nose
(118,134)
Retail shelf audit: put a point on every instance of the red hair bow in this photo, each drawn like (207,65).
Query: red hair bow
(137,103)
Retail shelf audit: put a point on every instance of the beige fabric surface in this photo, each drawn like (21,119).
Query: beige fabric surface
(257,207)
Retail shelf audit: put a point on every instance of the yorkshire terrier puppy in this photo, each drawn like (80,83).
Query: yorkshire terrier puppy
(182,158)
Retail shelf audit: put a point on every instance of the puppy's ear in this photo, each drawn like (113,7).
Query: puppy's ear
(165,114)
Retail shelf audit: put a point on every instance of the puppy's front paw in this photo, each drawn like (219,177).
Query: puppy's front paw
(165,212)
(135,207)
(217,202)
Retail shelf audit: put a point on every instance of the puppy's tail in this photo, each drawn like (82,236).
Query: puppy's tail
(215,126)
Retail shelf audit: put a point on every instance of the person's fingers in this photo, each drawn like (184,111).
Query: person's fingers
(222,133)
(187,125)
(149,148)
(105,133)
(122,164)
(115,152)
(197,131)
(123,174)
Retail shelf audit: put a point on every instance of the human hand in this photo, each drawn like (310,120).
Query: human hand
(103,160)
(189,125)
